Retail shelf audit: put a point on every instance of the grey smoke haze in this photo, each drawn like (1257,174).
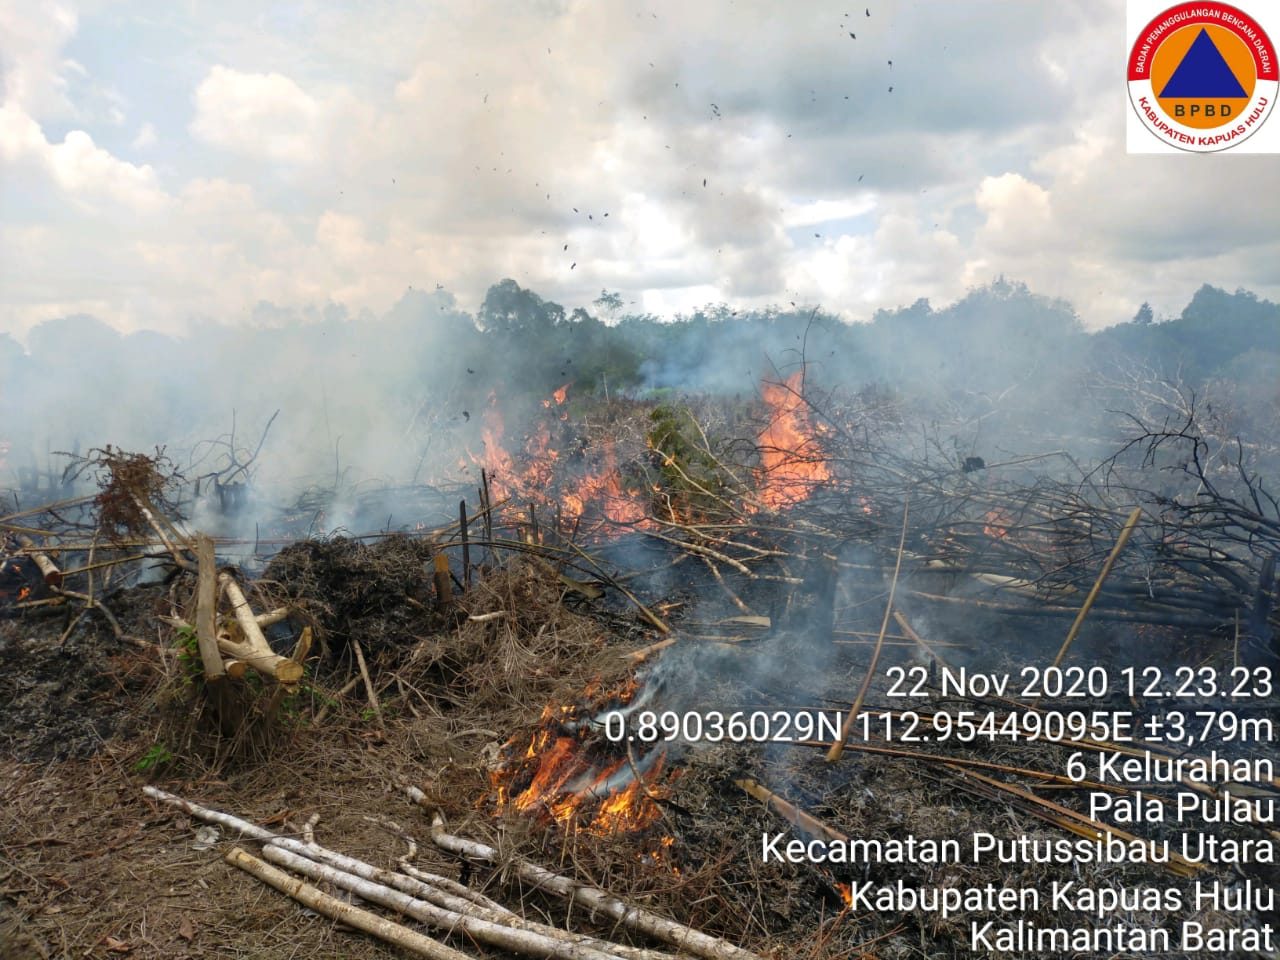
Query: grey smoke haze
(254,208)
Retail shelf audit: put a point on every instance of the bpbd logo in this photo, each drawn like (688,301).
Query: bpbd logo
(1202,76)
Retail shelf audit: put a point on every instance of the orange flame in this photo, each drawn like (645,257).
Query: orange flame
(604,487)
(997,524)
(560,766)
(536,475)
(496,459)
(791,463)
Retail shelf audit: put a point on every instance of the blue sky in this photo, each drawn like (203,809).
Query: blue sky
(165,162)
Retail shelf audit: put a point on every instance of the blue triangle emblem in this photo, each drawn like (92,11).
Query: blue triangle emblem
(1203,74)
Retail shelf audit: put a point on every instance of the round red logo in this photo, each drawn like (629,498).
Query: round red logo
(1202,76)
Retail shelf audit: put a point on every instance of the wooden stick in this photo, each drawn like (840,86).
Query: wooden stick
(46,507)
(324,709)
(368,684)
(645,612)
(206,610)
(644,653)
(335,909)
(1125,533)
(846,728)
(916,638)
(1076,822)
(149,515)
(466,544)
(1044,610)
(791,813)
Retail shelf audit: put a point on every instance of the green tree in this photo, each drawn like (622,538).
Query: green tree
(608,303)
(512,309)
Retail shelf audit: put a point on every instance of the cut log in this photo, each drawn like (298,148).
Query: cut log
(254,649)
(48,569)
(235,669)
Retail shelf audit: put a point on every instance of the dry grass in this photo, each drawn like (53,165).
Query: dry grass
(89,868)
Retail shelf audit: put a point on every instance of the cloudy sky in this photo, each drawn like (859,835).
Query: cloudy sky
(163,162)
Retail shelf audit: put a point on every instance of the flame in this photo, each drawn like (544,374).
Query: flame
(496,459)
(846,894)
(791,463)
(997,524)
(661,854)
(538,475)
(604,487)
(626,811)
(558,396)
(600,796)
(24,593)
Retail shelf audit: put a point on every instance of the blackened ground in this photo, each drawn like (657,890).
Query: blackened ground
(63,698)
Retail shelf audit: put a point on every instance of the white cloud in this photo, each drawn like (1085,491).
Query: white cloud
(83,169)
(20,136)
(341,155)
(145,138)
(258,114)
(824,211)
(31,39)
(1019,215)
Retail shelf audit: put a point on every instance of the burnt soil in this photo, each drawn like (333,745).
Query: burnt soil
(89,867)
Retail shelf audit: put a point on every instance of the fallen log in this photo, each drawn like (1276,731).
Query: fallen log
(448,903)
(523,942)
(48,569)
(337,910)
